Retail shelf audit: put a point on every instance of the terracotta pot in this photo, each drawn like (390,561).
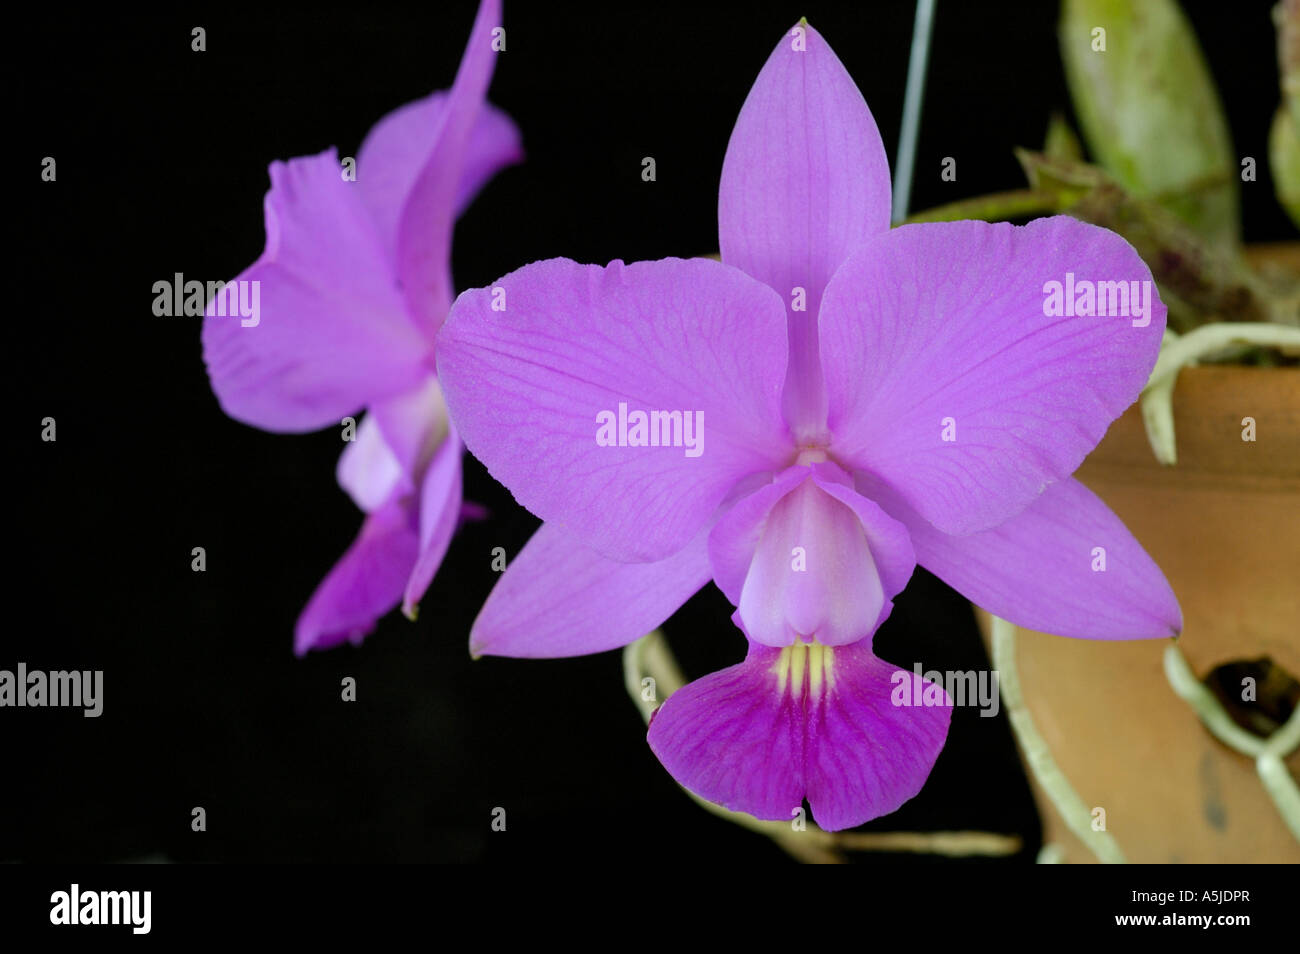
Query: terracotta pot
(1224,525)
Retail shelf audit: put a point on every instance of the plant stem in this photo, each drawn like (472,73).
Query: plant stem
(1267,753)
(1048,774)
(994,207)
(1178,352)
(913,96)
(1207,339)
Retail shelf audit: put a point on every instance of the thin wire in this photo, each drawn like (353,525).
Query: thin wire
(912,98)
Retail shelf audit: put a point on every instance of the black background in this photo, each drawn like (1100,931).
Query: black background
(162,156)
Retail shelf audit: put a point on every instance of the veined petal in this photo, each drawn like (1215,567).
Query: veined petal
(365,584)
(949,376)
(398,149)
(878,737)
(440,500)
(425,224)
(331,333)
(1066,565)
(804,181)
(560,598)
(851,733)
(546,372)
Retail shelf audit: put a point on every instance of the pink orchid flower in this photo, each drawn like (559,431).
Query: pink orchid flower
(803,423)
(354,284)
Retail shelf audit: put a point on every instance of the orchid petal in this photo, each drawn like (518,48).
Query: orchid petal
(812,575)
(802,722)
(332,333)
(399,147)
(804,181)
(560,598)
(807,557)
(368,469)
(414,425)
(874,751)
(532,366)
(1066,565)
(948,379)
(364,585)
(425,225)
(891,544)
(440,500)
(735,537)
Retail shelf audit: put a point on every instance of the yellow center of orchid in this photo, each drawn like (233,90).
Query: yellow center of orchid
(811,660)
